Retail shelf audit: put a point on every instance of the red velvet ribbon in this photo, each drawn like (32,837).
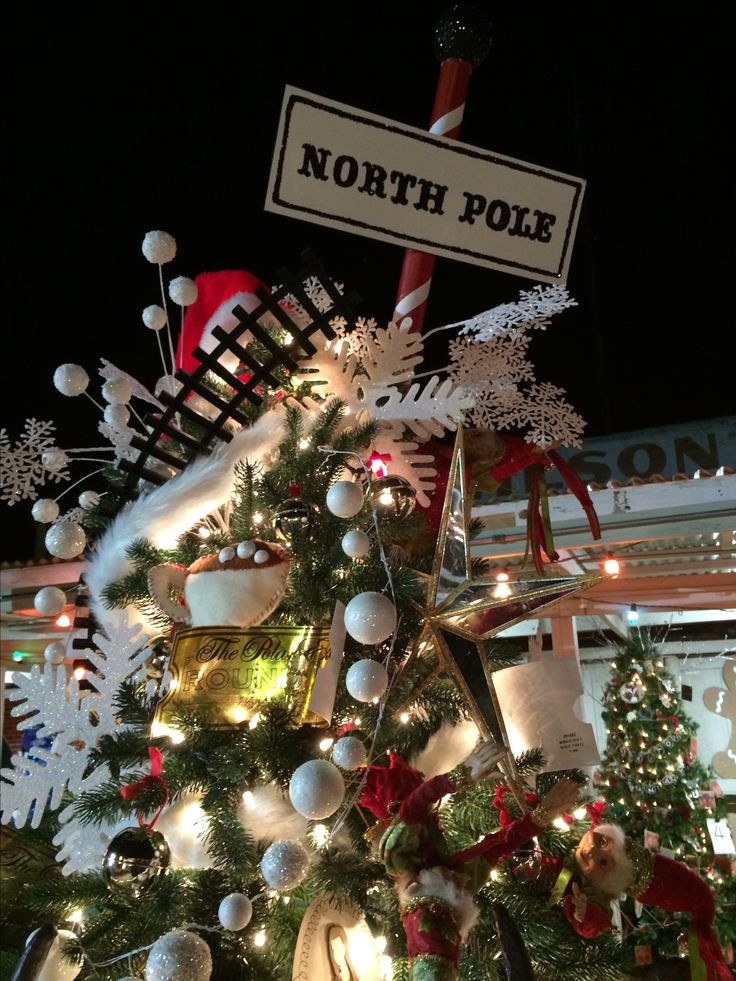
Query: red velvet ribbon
(576,486)
(132,790)
(595,812)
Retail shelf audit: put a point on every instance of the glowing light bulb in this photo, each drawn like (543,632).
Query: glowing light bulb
(260,938)
(611,566)
(633,615)
(324,744)
(204,532)
(502,576)
(254,721)
(80,673)
(63,620)
(258,518)
(404,718)
(321,834)
(76,916)
(303,444)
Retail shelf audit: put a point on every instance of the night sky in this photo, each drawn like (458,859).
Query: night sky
(149,118)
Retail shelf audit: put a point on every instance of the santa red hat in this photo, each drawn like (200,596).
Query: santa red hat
(217,294)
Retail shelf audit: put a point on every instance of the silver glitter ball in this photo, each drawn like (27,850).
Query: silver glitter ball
(284,864)
(180,955)
(65,539)
(134,859)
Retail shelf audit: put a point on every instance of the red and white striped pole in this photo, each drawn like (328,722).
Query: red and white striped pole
(462,41)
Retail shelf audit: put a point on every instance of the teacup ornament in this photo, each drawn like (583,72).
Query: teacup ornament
(237,587)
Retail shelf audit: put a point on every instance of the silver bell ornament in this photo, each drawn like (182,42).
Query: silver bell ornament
(134,859)
(392,496)
(294,516)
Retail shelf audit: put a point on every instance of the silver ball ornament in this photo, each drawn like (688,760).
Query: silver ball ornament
(45,510)
(134,859)
(370,618)
(293,517)
(356,544)
(316,789)
(349,753)
(71,379)
(55,652)
(50,600)
(392,496)
(366,680)
(180,955)
(345,499)
(65,539)
(284,864)
(235,911)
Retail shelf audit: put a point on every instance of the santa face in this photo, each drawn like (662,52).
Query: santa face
(597,856)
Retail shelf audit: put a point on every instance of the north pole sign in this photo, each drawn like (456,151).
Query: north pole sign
(346,169)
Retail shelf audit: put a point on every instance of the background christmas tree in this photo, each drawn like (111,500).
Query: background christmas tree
(656,788)
(225,788)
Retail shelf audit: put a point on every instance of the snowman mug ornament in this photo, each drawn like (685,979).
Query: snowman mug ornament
(237,587)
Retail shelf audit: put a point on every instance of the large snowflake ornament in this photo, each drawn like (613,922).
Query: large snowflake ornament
(33,460)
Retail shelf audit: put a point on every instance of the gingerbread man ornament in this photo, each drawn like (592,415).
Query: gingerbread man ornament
(722,701)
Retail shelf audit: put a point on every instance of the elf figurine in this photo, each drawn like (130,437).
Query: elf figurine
(613,865)
(435,886)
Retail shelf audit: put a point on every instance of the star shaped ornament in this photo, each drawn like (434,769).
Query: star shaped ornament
(462,611)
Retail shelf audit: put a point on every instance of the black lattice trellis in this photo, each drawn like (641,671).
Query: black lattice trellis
(157,460)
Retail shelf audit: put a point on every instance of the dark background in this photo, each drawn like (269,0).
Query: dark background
(124,120)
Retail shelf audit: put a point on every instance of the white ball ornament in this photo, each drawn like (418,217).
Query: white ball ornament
(284,864)
(71,379)
(316,789)
(154,317)
(366,680)
(116,416)
(370,618)
(235,912)
(345,499)
(55,653)
(349,753)
(45,510)
(54,460)
(356,544)
(179,954)
(55,966)
(117,391)
(89,499)
(183,291)
(159,247)
(50,600)
(65,539)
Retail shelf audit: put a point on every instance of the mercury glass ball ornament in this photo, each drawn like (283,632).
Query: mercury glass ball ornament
(179,956)
(55,652)
(50,600)
(65,539)
(71,379)
(293,517)
(366,680)
(316,789)
(134,859)
(392,496)
(370,618)
(235,912)
(356,544)
(345,499)
(349,753)
(45,510)
(284,864)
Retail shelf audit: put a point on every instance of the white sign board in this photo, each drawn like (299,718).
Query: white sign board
(541,704)
(352,170)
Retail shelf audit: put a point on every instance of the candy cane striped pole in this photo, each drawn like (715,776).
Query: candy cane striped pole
(462,41)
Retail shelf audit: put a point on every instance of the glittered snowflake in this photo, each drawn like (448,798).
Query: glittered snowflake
(33,460)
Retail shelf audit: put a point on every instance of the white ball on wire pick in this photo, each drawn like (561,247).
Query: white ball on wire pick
(45,510)
(345,499)
(179,954)
(71,379)
(284,864)
(159,247)
(370,618)
(154,317)
(183,291)
(235,912)
(316,789)
(89,499)
(54,460)
(116,416)
(366,680)
(349,752)
(356,544)
(117,391)
(55,652)
(65,540)
(50,600)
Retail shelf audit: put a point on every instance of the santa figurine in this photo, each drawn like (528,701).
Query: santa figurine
(434,885)
(613,865)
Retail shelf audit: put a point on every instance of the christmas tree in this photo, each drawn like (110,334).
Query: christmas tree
(264,761)
(656,788)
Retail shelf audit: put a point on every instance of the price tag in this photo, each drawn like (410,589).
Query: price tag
(720,835)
